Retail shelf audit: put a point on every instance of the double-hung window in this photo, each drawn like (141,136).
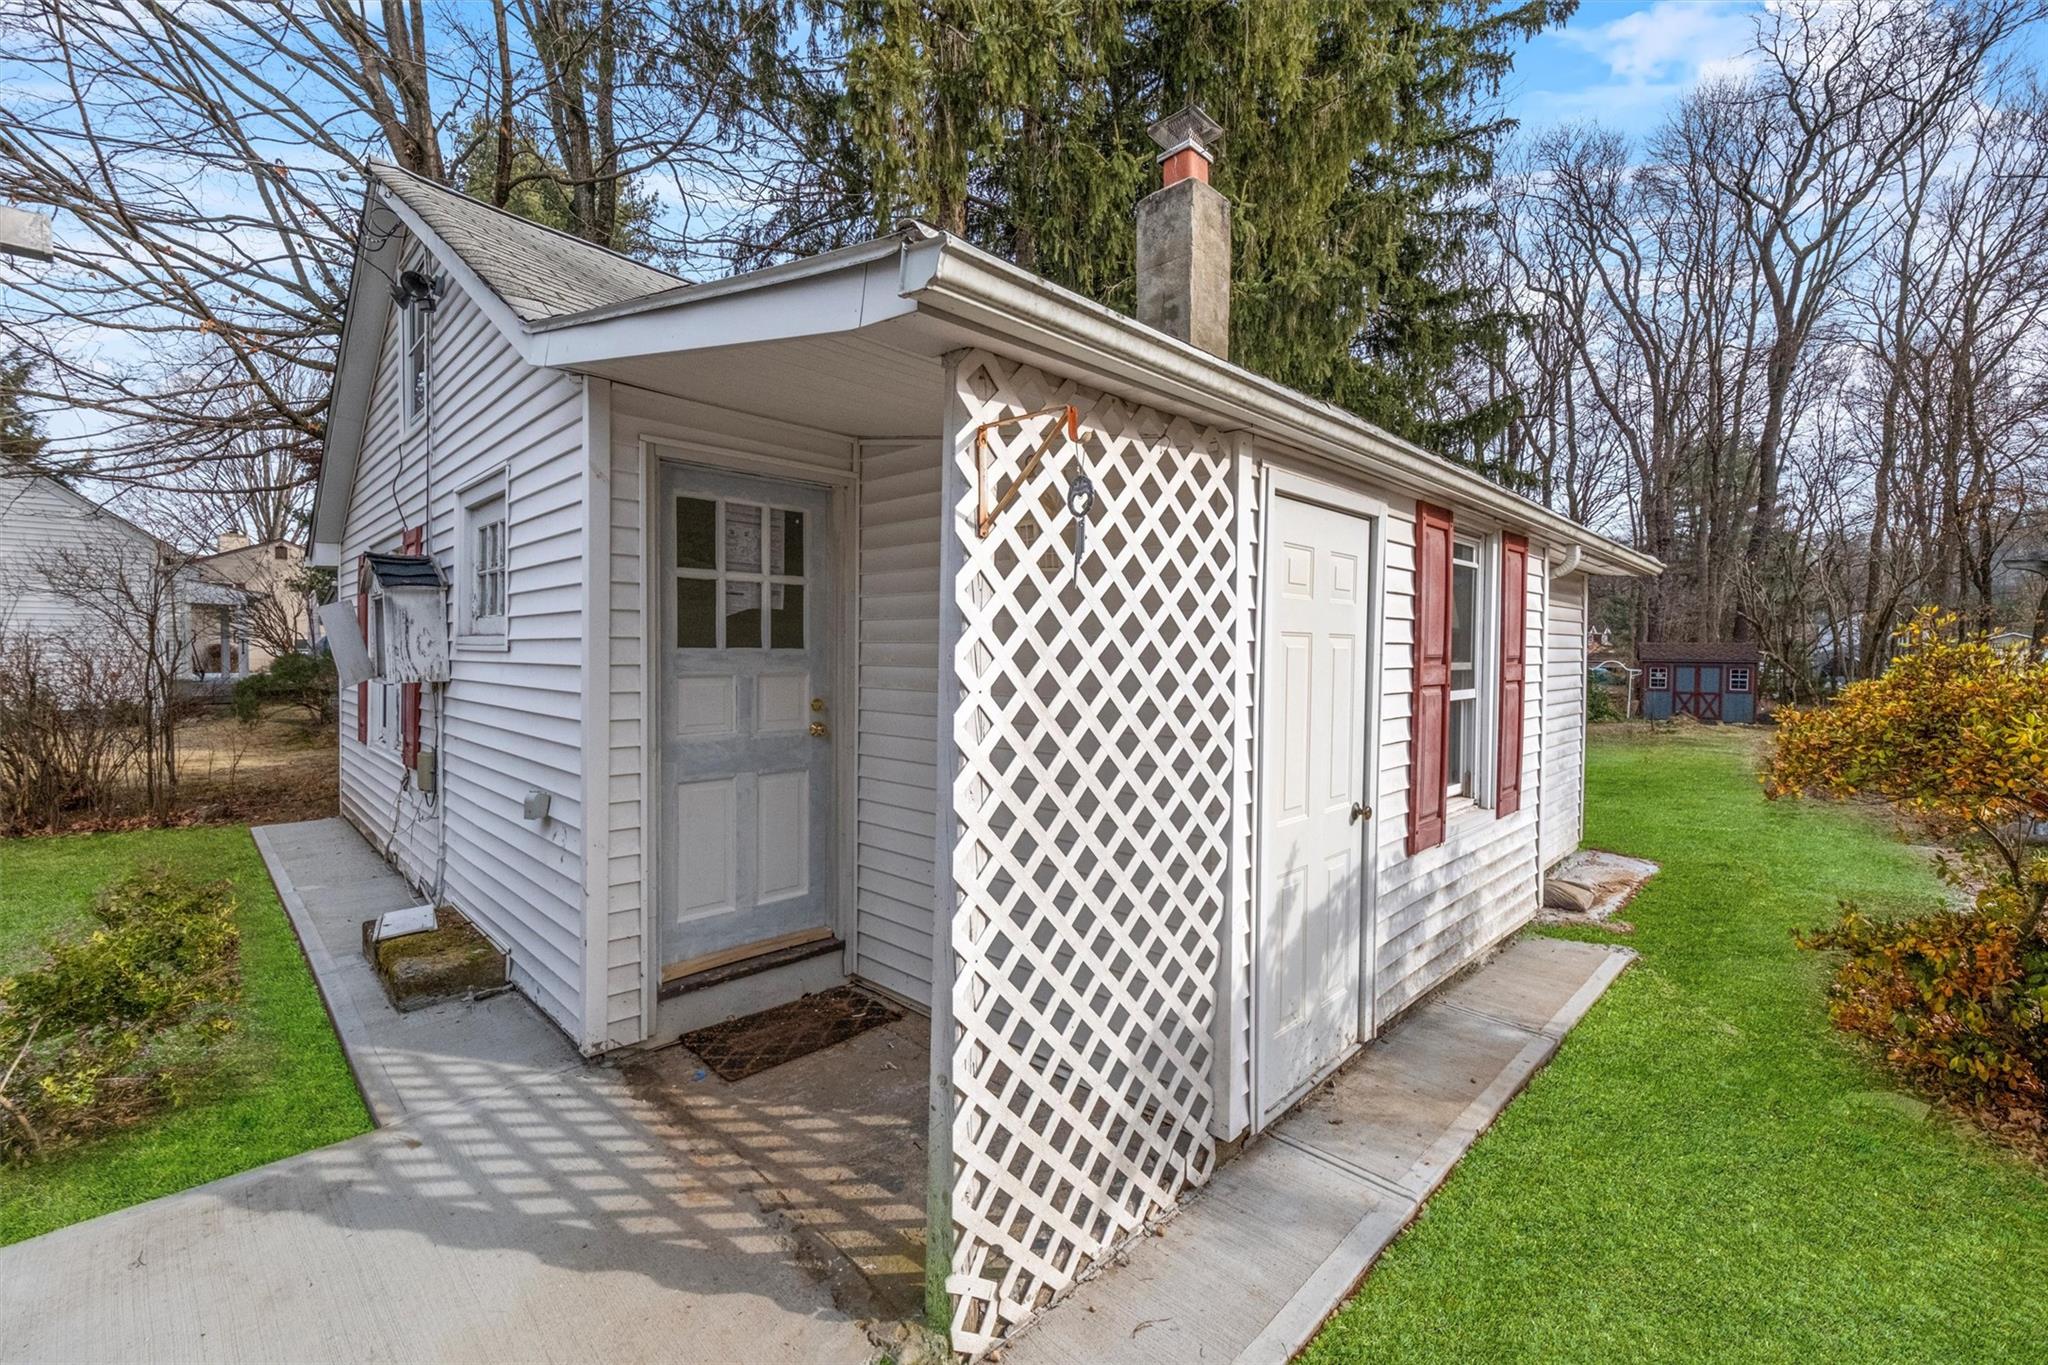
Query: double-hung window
(1461,768)
(415,362)
(484,563)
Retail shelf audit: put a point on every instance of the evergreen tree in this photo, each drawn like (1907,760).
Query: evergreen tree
(1356,135)
(21,431)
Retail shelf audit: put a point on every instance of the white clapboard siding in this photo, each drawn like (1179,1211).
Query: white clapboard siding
(896,740)
(508,720)
(49,532)
(626,895)
(1564,720)
(1440,908)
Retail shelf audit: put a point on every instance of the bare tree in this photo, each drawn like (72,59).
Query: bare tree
(206,166)
(128,600)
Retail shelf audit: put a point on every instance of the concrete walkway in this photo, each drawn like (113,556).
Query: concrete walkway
(519,1206)
(1252,1266)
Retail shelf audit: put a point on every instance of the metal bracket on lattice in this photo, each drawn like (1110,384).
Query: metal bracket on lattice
(988,509)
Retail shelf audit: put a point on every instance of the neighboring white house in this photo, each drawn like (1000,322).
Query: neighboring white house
(66,563)
(896,615)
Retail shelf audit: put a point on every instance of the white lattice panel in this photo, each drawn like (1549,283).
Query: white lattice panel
(1092,791)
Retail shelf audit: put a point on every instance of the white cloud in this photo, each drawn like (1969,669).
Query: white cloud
(1673,42)
(1651,57)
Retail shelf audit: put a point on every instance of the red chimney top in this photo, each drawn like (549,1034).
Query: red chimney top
(1187,145)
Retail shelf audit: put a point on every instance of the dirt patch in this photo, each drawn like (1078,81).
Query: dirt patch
(1591,885)
(739,1048)
(273,770)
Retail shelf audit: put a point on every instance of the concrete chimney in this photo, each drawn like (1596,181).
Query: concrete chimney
(1184,237)
(232,540)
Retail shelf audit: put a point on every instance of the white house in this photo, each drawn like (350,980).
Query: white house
(78,574)
(896,615)
(277,612)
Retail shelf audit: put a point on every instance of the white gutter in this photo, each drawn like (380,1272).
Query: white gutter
(948,277)
(1570,565)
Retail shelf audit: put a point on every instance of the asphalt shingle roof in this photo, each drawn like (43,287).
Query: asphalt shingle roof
(1697,652)
(540,272)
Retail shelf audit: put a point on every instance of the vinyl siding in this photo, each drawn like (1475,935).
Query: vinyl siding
(896,792)
(1441,908)
(508,720)
(1564,720)
(46,528)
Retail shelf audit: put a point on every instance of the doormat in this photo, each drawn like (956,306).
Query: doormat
(739,1048)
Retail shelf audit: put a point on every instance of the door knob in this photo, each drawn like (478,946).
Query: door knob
(818,730)
(1359,812)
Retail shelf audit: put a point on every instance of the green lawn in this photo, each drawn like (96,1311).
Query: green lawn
(285,1086)
(1707,1171)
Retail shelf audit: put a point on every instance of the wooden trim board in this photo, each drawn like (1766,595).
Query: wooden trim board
(690,966)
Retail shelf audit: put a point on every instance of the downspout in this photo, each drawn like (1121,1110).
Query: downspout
(1573,557)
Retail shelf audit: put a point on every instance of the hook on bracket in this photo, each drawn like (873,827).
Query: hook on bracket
(987,510)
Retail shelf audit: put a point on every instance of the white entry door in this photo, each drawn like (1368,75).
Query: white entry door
(1316,841)
(746,716)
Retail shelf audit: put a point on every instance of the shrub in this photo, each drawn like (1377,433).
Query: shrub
(1955,734)
(306,681)
(118,1021)
(1956,999)
(70,728)
(1600,705)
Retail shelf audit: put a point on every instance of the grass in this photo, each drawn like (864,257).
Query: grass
(1707,1170)
(285,1086)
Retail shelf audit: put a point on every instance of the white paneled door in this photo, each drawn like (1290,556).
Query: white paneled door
(746,716)
(1316,837)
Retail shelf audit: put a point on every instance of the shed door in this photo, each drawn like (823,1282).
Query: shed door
(1316,834)
(746,717)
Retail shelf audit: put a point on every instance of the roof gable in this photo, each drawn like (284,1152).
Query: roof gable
(538,272)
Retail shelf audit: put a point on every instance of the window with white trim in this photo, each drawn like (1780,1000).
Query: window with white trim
(415,338)
(483,561)
(1660,678)
(1461,766)
(1738,678)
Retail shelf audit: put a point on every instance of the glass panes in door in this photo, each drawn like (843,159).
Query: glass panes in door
(739,575)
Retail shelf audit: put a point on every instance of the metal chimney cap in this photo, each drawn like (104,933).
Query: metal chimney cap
(1190,127)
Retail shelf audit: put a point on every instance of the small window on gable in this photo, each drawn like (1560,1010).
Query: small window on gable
(1660,678)
(279,552)
(1738,678)
(483,561)
(415,362)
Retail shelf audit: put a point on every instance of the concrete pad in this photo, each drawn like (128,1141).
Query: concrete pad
(1256,1261)
(1539,976)
(559,1219)
(1383,1114)
(834,1143)
(1218,1272)
(520,1205)
(330,881)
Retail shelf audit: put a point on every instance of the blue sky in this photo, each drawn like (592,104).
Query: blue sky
(1624,62)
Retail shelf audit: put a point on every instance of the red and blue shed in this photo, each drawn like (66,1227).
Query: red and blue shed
(1709,681)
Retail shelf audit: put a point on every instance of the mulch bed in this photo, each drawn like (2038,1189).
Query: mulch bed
(747,1046)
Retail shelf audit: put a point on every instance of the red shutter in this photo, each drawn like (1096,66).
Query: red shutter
(1429,721)
(1514,629)
(409,693)
(363,625)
